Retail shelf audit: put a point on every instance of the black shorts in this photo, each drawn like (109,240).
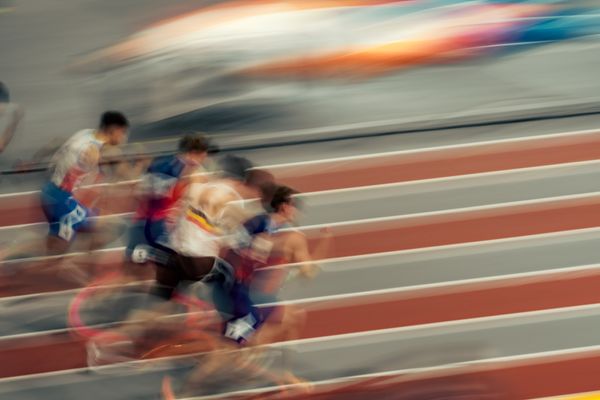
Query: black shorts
(183,268)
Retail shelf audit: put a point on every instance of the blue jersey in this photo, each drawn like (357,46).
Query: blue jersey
(161,187)
(247,318)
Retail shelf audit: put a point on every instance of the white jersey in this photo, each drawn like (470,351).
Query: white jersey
(197,233)
(68,167)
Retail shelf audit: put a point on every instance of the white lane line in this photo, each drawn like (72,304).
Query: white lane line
(505,173)
(375,155)
(59,256)
(24,297)
(517,319)
(358,189)
(475,244)
(435,149)
(415,374)
(448,286)
(487,282)
(326,264)
(455,212)
(45,224)
(91,186)
(461,325)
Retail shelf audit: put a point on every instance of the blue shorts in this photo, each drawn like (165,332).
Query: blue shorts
(137,238)
(148,240)
(247,318)
(65,215)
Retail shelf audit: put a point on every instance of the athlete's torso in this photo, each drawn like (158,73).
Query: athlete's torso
(161,187)
(198,231)
(69,169)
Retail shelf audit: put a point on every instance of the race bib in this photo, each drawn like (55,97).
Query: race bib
(140,254)
(241,328)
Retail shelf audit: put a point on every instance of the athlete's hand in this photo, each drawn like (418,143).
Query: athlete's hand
(309,271)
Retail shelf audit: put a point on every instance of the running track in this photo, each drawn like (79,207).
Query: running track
(43,351)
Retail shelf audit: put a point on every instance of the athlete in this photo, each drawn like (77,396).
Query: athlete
(211,211)
(267,239)
(161,191)
(75,162)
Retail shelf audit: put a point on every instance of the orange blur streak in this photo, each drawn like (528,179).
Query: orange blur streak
(165,33)
(391,56)
(371,61)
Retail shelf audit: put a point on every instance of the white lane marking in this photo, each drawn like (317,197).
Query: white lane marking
(392,218)
(444,179)
(45,224)
(453,285)
(375,155)
(548,315)
(434,149)
(357,189)
(415,374)
(457,211)
(505,173)
(506,280)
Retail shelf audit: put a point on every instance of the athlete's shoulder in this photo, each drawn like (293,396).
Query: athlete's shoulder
(257,224)
(90,156)
(168,165)
(82,136)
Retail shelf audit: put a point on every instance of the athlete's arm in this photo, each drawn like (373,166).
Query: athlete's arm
(300,254)
(88,162)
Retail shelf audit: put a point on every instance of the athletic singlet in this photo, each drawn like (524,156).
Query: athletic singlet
(197,234)
(257,253)
(68,167)
(161,188)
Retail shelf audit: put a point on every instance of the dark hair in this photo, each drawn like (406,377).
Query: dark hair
(264,181)
(193,143)
(4,93)
(235,167)
(282,195)
(113,118)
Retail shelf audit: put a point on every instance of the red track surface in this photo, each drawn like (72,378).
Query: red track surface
(544,377)
(373,312)
(389,235)
(535,378)
(25,208)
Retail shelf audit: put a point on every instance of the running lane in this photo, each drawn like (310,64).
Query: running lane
(61,350)
(369,236)
(529,378)
(365,170)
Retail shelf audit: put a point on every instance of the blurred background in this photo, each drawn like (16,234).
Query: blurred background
(247,68)
(452,146)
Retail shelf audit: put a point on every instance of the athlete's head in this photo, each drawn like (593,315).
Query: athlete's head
(235,167)
(193,148)
(114,125)
(264,183)
(4,93)
(284,204)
